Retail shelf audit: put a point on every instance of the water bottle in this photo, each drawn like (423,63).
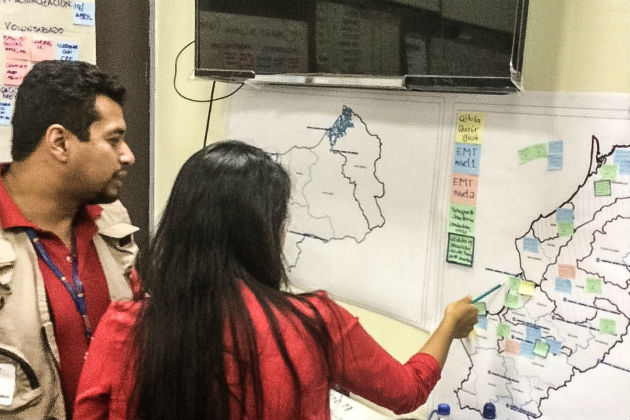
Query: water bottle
(443,412)
(489,411)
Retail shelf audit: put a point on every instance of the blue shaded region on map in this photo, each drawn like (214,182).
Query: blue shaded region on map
(340,126)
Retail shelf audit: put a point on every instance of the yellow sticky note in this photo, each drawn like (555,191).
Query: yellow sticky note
(526,288)
(469,127)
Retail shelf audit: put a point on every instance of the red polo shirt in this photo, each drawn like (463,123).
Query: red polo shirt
(69,332)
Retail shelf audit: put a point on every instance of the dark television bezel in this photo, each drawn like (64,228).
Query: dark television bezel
(427,83)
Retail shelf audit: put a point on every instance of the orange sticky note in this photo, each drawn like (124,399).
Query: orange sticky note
(14,72)
(566,271)
(42,49)
(464,189)
(512,347)
(15,47)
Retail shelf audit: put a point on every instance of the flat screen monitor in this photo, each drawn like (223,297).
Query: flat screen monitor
(435,45)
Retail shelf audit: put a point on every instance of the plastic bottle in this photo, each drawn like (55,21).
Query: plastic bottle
(489,411)
(443,412)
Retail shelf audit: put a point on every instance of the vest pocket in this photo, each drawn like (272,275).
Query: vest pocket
(24,383)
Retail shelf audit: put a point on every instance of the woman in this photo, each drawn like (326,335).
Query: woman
(218,338)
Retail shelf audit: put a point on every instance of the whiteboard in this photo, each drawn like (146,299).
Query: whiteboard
(33,31)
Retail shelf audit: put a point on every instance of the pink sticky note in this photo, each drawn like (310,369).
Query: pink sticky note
(512,347)
(15,47)
(464,189)
(566,271)
(14,72)
(42,49)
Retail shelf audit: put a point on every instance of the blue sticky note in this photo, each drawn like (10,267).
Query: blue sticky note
(83,13)
(67,51)
(467,158)
(555,347)
(482,322)
(5,113)
(532,334)
(563,285)
(564,215)
(555,147)
(554,162)
(527,349)
(530,244)
(622,160)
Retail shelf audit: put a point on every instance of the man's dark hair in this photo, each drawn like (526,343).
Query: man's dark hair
(59,92)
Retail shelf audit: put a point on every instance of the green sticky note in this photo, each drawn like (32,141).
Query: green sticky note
(461,219)
(461,249)
(565,229)
(537,151)
(593,285)
(602,188)
(608,172)
(511,300)
(514,283)
(481,307)
(541,348)
(503,330)
(607,326)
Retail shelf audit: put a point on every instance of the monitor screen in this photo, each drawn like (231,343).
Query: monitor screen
(436,44)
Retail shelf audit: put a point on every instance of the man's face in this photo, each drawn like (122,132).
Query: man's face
(102,161)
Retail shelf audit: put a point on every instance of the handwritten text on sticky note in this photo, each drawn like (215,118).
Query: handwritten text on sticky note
(469,127)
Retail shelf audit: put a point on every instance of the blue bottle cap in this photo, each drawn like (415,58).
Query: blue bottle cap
(489,411)
(443,410)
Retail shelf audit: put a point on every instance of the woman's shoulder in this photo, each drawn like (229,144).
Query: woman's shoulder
(121,316)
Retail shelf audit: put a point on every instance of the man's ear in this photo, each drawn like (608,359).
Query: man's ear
(56,141)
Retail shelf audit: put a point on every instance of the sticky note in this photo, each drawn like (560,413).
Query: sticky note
(608,172)
(481,308)
(83,13)
(602,188)
(482,322)
(555,147)
(593,285)
(541,348)
(565,229)
(607,326)
(514,283)
(469,127)
(512,346)
(5,113)
(530,244)
(461,219)
(555,346)
(67,51)
(532,333)
(503,330)
(467,159)
(555,162)
(15,47)
(622,160)
(566,271)
(526,288)
(14,72)
(537,151)
(527,349)
(511,300)
(8,92)
(461,249)
(564,215)
(563,285)
(464,189)
(42,49)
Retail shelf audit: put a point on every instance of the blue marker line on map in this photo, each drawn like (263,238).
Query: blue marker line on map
(340,126)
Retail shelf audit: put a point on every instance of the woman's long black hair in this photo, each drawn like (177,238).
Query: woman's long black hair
(223,223)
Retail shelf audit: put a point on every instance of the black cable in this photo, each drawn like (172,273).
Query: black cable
(205,136)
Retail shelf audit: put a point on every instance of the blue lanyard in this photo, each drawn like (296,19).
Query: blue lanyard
(75,288)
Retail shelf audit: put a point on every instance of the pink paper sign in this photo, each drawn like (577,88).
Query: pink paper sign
(464,189)
(15,47)
(14,72)
(42,49)
(566,271)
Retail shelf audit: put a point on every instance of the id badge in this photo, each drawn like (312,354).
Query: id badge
(7,383)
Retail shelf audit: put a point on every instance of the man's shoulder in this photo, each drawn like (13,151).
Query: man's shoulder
(114,220)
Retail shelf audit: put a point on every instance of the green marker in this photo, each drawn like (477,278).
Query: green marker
(483,295)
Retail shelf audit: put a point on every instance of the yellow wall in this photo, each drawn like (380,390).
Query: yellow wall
(572,45)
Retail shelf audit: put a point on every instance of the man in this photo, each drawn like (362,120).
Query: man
(66,246)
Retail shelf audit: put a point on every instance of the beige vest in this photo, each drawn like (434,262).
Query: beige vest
(27,340)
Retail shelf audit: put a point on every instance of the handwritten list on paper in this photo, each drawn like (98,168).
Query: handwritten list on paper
(14,72)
